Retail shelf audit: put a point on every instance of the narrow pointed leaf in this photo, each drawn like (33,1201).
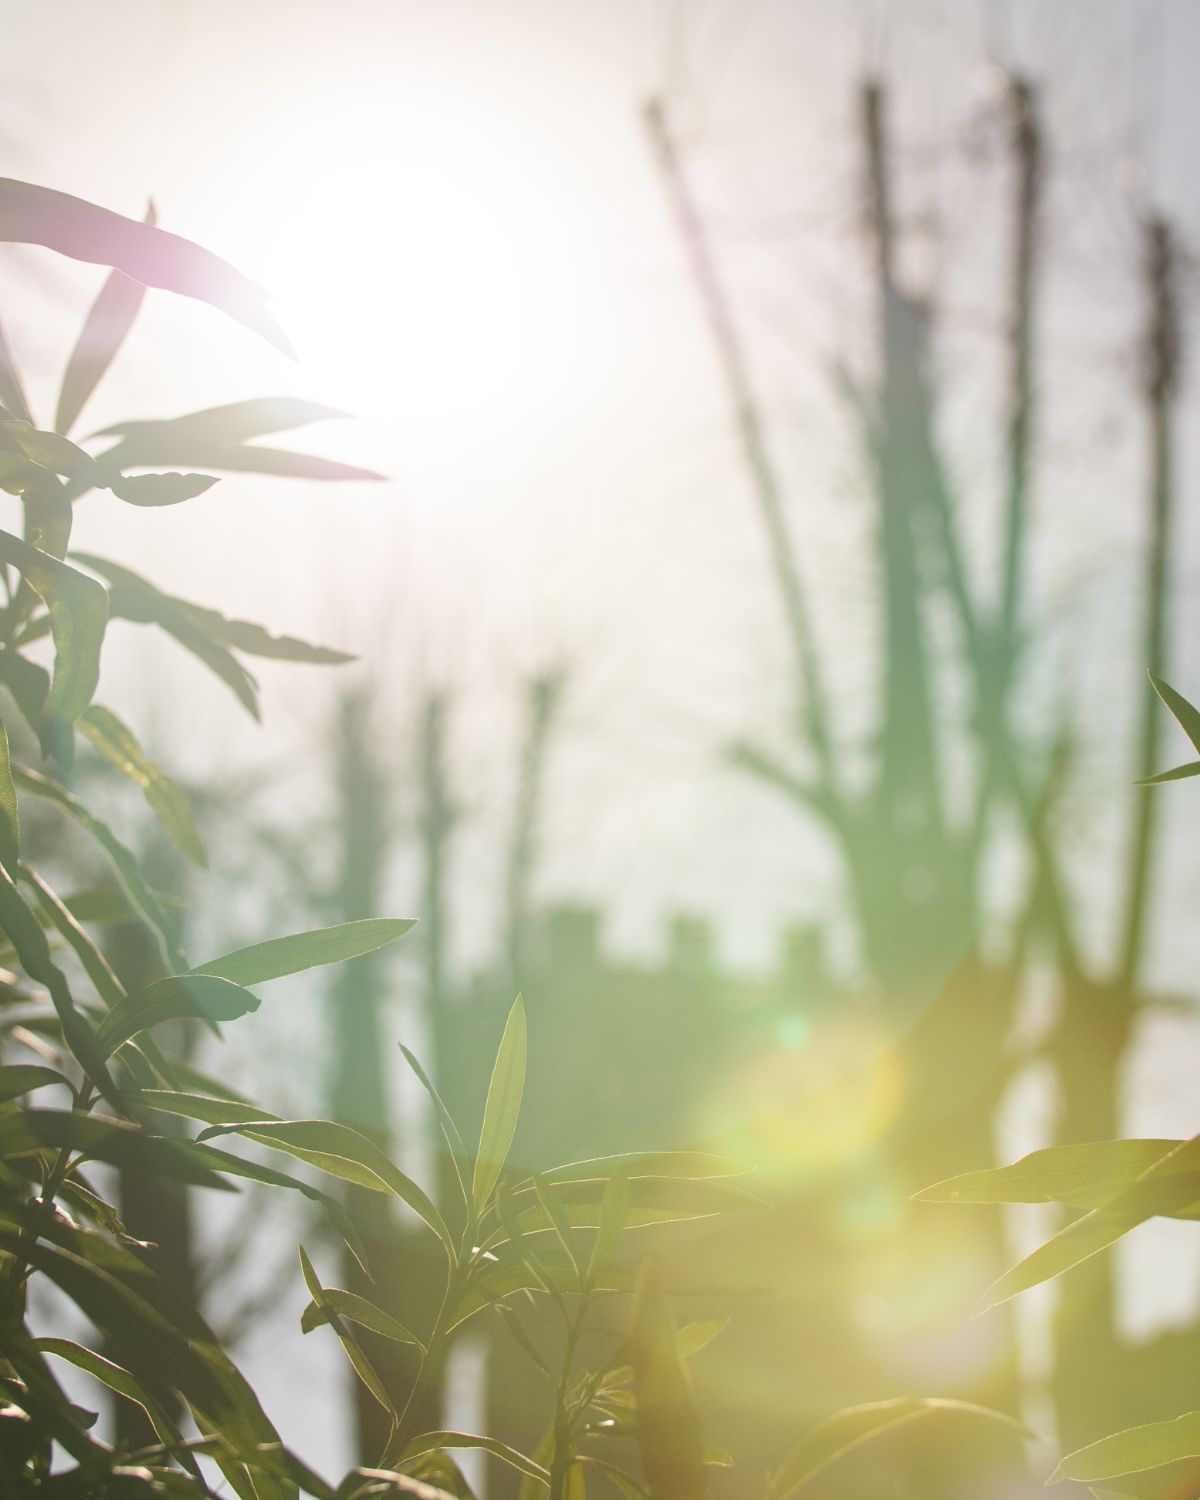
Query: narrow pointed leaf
(30,214)
(10,833)
(434,1442)
(450,1131)
(363,1367)
(119,1142)
(160,489)
(12,391)
(222,425)
(1169,1187)
(501,1109)
(614,1214)
(1186,714)
(342,1152)
(1177,773)
(856,1425)
(120,747)
(1132,1451)
(78,609)
(141,897)
(23,1078)
(305,950)
(118,1379)
(175,998)
(108,322)
(1082,1176)
(359,1310)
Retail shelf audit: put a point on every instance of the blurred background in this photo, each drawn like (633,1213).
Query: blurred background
(785,414)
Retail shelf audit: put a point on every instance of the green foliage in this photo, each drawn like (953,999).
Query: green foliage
(1119,1184)
(563,1235)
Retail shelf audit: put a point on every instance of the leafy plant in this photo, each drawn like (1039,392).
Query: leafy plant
(1116,1185)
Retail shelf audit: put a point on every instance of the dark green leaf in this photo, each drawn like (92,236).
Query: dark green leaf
(1177,773)
(10,840)
(35,215)
(175,998)
(1186,714)
(363,1367)
(305,950)
(118,1142)
(120,1380)
(78,609)
(22,1078)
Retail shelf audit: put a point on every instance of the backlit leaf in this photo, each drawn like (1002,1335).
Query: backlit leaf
(119,746)
(305,950)
(1133,1450)
(35,215)
(108,322)
(501,1109)
(850,1428)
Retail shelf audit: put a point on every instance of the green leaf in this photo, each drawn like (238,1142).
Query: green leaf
(197,1106)
(1186,714)
(105,328)
(24,931)
(118,1379)
(614,1214)
(157,441)
(363,1367)
(450,1131)
(692,1165)
(12,392)
(78,609)
(144,901)
(47,450)
(359,1310)
(848,1429)
(1178,773)
(28,1132)
(1082,1176)
(305,950)
(1131,1451)
(95,965)
(119,746)
(134,598)
(22,1078)
(502,1108)
(652,1200)
(175,998)
(668,1424)
(434,1442)
(35,215)
(1169,1187)
(10,840)
(631,1488)
(342,1152)
(160,489)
